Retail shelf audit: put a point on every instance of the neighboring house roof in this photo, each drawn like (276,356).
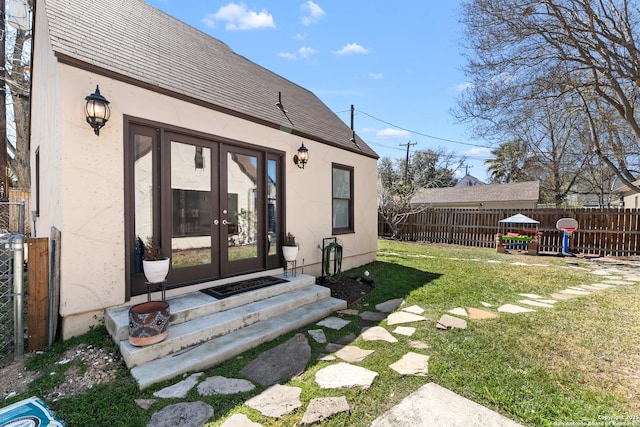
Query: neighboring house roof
(625,189)
(135,42)
(469,181)
(517,191)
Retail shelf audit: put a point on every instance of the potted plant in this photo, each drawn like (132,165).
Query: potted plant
(154,264)
(148,323)
(289,247)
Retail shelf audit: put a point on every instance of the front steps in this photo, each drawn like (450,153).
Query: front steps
(205,331)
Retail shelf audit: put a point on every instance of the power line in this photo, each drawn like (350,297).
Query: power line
(424,134)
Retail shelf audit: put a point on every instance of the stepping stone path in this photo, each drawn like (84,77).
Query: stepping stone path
(377,333)
(412,364)
(389,306)
(407,331)
(322,408)
(414,309)
(478,314)
(221,385)
(276,401)
(345,375)
(400,317)
(513,309)
(451,322)
(318,336)
(333,323)
(184,414)
(535,303)
(352,354)
(280,363)
(446,408)
(180,389)
(459,311)
(373,316)
(239,420)
(290,359)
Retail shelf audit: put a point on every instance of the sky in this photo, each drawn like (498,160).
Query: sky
(399,65)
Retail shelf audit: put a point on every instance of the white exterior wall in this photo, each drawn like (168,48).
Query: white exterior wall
(82,182)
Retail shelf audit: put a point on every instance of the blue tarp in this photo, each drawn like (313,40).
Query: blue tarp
(31,412)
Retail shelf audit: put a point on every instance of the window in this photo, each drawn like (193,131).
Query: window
(342,202)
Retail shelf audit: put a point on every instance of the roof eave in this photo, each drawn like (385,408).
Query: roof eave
(77,63)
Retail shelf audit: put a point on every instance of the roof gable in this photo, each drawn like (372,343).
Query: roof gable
(139,42)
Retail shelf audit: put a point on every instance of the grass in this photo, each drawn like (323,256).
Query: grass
(576,363)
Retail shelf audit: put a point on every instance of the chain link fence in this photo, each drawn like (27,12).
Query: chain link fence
(12,219)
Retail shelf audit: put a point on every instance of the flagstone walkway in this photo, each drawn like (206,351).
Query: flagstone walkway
(430,405)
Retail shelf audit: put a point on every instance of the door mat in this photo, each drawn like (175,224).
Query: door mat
(236,288)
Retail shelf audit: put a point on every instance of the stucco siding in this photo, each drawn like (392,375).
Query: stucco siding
(88,183)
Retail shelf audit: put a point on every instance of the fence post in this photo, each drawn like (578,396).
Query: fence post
(18,273)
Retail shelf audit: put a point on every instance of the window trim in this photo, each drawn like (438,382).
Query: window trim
(350,228)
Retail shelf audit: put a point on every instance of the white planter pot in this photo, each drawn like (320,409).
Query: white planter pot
(156,271)
(290,253)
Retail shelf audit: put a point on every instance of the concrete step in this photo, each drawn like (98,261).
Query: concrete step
(217,350)
(197,330)
(197,304)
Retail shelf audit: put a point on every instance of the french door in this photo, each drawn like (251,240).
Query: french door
(215,205)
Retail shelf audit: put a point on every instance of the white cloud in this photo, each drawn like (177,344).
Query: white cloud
(375,76)
(463,86)
(306,51)
(303,52)
(390,133)
(314,13)
(351,48)
(367,130)
(478,153)
(300,37)
(288,55)
(238,17)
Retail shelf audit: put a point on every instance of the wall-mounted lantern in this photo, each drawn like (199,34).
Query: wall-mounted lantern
(97,110)
(302,157)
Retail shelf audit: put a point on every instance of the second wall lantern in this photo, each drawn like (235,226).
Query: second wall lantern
(302,157)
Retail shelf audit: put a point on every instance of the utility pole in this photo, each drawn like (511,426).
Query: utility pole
(406,162)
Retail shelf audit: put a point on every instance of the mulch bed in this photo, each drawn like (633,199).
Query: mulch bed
(350,289)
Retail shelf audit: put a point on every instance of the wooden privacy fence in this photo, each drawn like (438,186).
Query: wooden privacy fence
(601,232)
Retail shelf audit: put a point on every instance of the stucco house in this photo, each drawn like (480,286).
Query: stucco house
(198,152)
(628,198)
(516,195)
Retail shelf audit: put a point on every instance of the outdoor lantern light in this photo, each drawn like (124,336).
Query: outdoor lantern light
(97,110)
(302,157)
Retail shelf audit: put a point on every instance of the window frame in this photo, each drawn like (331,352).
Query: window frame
(350,227)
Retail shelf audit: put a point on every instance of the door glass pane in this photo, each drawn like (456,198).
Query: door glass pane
(242,217)
(272,207)
(191,205)
(143,194)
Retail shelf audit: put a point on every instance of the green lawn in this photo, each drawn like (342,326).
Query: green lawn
(577,362)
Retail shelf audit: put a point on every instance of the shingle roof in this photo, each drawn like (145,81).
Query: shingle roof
(517,191)
(139,42)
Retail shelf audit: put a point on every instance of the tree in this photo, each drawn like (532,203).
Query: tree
(17,80)
(509,163)
(582,55)
(427,169)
